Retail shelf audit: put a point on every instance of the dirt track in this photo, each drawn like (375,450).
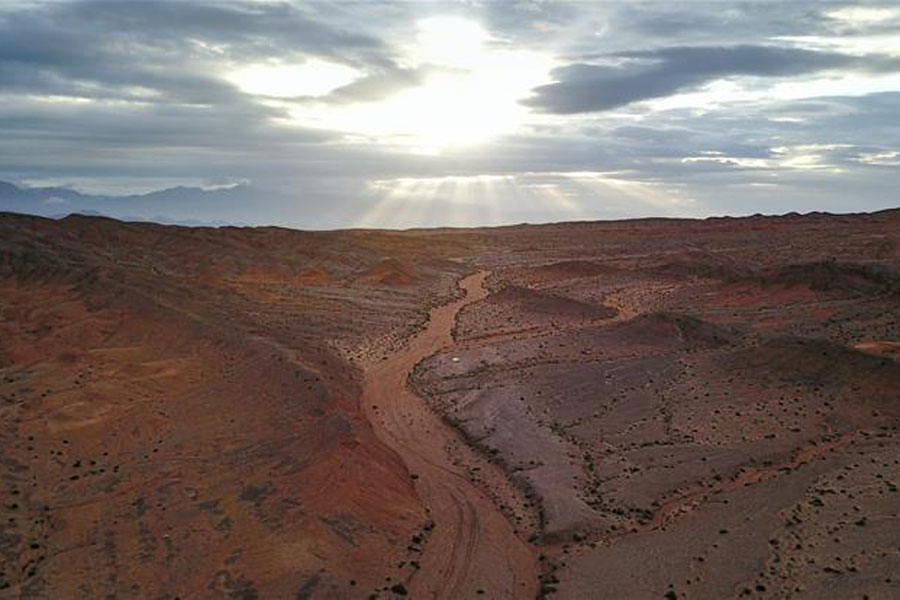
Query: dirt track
(472,549)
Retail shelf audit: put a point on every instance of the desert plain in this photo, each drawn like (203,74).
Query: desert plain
(656,408)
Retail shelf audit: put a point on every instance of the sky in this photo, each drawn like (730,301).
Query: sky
(401,114)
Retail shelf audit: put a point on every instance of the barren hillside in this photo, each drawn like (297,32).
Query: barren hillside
(640,409)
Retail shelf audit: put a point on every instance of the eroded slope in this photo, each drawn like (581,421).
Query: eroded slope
(730,428)
(179,416)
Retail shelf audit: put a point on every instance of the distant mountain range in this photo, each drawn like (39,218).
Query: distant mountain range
(176,206)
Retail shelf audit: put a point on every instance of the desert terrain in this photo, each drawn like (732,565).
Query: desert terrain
(653,408)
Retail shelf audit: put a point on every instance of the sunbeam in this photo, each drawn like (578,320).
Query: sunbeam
(504,199)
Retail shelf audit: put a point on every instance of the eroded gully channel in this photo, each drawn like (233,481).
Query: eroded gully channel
(474,548)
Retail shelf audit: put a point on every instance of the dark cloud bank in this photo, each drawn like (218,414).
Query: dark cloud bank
(662,72)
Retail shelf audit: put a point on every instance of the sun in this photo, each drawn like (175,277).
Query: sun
(469,92)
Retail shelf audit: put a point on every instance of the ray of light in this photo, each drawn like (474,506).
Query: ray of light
(503,199)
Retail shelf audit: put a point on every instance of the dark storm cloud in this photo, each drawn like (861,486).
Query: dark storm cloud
(666,71)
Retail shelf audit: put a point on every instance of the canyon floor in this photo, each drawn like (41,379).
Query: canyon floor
(638,409)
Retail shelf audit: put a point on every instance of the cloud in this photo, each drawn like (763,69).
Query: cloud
(645,74)
(119,97)
(377,86)
(175,50)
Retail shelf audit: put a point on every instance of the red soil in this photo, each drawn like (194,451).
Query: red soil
(642,409)
(472,546)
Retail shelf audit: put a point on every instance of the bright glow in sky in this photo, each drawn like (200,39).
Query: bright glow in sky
(888,43)
(742,89)
(470,92)
(806,157)
(311,78)
(449,41)
(864,14)
(471,200)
